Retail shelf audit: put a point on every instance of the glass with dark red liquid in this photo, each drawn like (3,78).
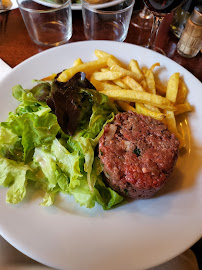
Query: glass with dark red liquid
(164,7)
(159,8)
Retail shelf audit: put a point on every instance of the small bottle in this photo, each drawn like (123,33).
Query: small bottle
(180,16)
(190,42)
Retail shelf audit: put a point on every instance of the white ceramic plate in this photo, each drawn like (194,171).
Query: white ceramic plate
(141,234)
(74,6)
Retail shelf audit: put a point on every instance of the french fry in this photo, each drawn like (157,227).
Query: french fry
(88,67)
(151,88)
(182,108)
(172,87)
(131,83)
(50,78)
(172,127)
(142,109)
(125,106)
(112,60)
(153,66)
(171,94)
(171,123)
(182,92)
(124,72)
(144,85)
(152,108)
(108,75)
(102,86)
(160,87)
(104,69)
(142,97)
(77,62)
(136,86)
(134,67)
(101,54)
(120,83)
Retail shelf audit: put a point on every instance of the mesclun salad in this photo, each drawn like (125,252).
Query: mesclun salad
(51,140)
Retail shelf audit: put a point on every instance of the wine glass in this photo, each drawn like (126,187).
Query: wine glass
(142,18)
(159,8)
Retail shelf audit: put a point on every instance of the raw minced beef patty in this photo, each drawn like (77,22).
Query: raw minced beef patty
(138,154)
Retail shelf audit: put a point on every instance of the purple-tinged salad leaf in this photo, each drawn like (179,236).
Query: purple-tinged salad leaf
(78,105)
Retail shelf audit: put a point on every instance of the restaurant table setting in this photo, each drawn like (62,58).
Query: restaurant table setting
(42,37)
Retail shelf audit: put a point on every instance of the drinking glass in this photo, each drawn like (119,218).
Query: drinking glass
(106,21)
(142,18)
(159,8)
(47,23)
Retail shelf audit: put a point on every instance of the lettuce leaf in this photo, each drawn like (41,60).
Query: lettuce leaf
(68,162)
(13,175)
(34,147)
(33,123)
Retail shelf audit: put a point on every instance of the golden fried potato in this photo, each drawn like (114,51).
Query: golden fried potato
(142,97)
(151,88)
(171,94)
(108,75)
(101,54)
(153,66)
(120,83)
(142,109)
(152,108)
(172,87)
(49,78)
(172,127)
(102,86)
(182,108)
(88,67)
(133,84)
(77,62)
(160,87)
(182,92)
(134,67)
(125,72)
(125,106)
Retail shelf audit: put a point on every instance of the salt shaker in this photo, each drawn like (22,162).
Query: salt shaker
(190,42)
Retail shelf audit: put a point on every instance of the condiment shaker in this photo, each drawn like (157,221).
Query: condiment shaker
(190,42)
(181,15)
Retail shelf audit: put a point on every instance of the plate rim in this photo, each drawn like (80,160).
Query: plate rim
(98,42)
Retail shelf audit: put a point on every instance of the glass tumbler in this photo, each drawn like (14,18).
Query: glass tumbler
(47,23)
(108,20)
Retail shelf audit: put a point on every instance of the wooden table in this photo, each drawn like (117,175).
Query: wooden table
(16,45)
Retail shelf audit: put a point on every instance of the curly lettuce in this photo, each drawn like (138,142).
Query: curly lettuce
(40,143)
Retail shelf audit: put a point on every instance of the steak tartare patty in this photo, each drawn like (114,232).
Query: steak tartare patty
(138,153)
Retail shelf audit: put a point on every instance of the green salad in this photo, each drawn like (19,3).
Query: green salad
(51,141)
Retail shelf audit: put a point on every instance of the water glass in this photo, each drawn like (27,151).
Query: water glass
(48,23)
(107,21)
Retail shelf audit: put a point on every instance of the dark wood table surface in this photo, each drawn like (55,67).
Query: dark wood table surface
(16,46)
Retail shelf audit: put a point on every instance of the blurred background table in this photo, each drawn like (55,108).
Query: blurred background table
(16,46)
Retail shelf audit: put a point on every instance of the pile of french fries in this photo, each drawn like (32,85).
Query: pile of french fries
(134,88)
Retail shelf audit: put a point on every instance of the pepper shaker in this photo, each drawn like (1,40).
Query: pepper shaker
(190,42)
